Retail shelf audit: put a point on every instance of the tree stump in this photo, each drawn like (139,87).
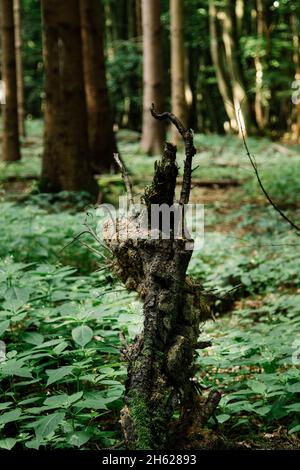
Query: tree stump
(161,359)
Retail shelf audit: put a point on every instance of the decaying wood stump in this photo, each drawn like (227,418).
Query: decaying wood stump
(161,359)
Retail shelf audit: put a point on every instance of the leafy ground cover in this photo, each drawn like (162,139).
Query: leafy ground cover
(61,311)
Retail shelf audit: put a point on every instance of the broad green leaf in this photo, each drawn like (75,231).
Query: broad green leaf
(293,388)
(295,407)
(28,401)
(45,426)
(64,400)
(33,444)
(263,410)
(222,418)
(82,335)
(79,438)
(57,374)
(10,416)
(92,404)
(7,443)
(257,386)
(294,429)
(15,367)
(57,401)
(5,405)
(60,347)
(3,326)
(15,298)
(33,338)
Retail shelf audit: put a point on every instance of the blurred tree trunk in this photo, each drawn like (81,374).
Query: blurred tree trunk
(261,29)
(240,95)
(179,105)
(11,143)
(239,13)
(153,133)
(100,125)
(296,59)
(217,54)
(19,65)
(139,27)
(66,162)
(53,156)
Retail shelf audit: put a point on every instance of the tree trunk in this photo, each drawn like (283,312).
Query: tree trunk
(296,60)
(139,27)
(66,162)
(217,52)
(101,136)
(153,133)
(11,143)
(19,65)
(161,359)
(179,105)
(53,156)
(240,95)
(239,13)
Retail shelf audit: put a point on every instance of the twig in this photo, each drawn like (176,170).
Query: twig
(190,151)
(254,166)
(73,241)
(93,250)
(125,177)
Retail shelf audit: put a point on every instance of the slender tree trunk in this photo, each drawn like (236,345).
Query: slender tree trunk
(296,60)
(153,133)
(19,64)
(239,13)
(139,27)
(66,163)
(259,105)
(179,105)
(52,157)
(240,95)
(216,48)
(101,136)
(11,143)
(132,20)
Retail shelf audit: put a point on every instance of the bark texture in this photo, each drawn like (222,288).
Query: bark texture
(217,54)
(260,111)
(153,133)
(100,125)
(11,144)
(66,162)
(241,102)
(52,107)
(179,105)
(295,22)
(19,67)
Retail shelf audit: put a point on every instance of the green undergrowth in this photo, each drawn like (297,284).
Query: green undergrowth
(61,310)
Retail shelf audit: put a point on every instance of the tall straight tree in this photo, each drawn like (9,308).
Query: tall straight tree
(153,133)
(11,143)
(179,104)
(66,162)
(101,136)
(19,64)
(240,96)
(217,54)
(260,111)
(295,23)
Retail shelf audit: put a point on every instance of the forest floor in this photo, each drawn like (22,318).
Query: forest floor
(61,311)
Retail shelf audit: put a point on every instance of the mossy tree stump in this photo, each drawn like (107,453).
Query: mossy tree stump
(161,359)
